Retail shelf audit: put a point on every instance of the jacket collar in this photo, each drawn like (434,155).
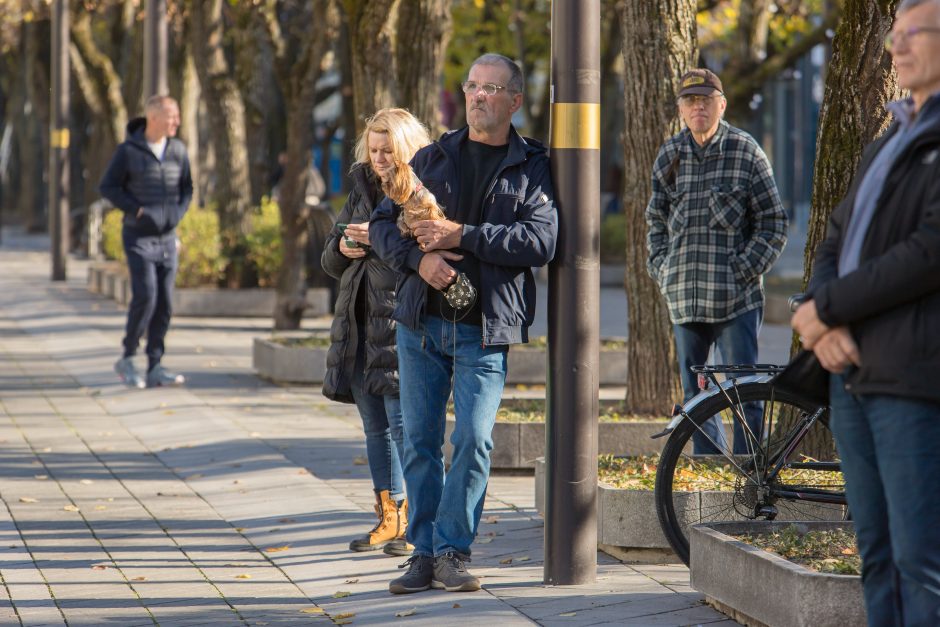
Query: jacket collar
(715,147)
(520,148)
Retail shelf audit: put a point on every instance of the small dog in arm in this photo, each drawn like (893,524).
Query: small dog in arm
(416,201)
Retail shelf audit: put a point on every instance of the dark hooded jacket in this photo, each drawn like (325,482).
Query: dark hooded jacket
(366,290)
(517,232)
(136,179)
(891,302)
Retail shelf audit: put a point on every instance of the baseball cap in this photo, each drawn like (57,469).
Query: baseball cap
(700,82)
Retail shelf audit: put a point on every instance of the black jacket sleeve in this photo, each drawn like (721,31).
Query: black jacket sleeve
(334,262)
(112,183)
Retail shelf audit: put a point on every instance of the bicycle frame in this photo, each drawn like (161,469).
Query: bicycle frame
(726,388)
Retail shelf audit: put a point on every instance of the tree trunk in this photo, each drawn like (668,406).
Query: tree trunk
(859,82)
(426,26)
(226,113)
(34,158)
(299,55)
(659,45)
(189,127)
(372,42)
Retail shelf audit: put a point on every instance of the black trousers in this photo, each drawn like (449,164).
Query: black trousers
(152,277)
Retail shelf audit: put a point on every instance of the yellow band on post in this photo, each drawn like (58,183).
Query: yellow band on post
(59,138)
(576,125)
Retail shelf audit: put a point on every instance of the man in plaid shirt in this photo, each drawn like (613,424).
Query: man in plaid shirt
(716,225)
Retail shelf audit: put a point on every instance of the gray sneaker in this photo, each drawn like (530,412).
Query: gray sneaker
(128,373)
(159,376)
(416,579)
(450,574)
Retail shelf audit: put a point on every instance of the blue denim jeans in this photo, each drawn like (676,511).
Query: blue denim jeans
(381,421)
(443,514)
(151,304)
(736,341)
(890,451)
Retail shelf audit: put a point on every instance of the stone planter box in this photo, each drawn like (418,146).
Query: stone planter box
(110,279)
(759,588)
(627,518)
(517,445)
(288,364)
(526,366)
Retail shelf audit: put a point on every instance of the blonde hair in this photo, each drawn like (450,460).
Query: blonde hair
(405,133)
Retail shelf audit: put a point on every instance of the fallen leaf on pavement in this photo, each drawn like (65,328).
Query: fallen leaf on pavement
(508,560)
(193,476)
(456,605)
(352,581)
(568,614)
(344,615)
(48,449)
(139,579)
(71,508)
(99,567)
(169,412)
(86,482)
(243,576)
(360,461)
(286,521)
(100,507)
(254,434)
(524,558)
(28,499)
(312,610)
(342,594)
(41,477)
(276,549)
(404,613)
(240,529)
(484,540)
(342,622)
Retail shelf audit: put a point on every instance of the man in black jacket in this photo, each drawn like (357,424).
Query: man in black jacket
(148,179)
(874,323)
(496,190)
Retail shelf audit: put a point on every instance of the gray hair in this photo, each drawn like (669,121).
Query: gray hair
(155,103)
(516,81)
(907,5)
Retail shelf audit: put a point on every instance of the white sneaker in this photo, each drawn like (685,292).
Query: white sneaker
(160,376)
(128,373)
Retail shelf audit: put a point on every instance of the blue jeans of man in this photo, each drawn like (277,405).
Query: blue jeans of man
(736,341)
(152,279)
(890,452)
(381,421)
(444,512)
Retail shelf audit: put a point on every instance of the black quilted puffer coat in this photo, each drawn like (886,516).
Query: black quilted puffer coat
(376,282)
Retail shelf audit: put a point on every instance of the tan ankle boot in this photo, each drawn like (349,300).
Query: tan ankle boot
(400,546)
(385,530)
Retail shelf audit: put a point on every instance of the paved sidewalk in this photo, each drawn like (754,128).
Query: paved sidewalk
(230,501)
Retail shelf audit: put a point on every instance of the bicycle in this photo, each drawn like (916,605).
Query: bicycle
(772,480)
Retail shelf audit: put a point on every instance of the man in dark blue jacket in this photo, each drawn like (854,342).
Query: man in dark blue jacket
(873,320)
(148,179)
(496,190)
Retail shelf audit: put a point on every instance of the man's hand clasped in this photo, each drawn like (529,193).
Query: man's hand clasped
(437,234)
(834,346)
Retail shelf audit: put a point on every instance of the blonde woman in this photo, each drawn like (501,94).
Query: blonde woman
(362,363)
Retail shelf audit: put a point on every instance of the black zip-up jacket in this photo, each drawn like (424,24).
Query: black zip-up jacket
(891,302)
(517,232)
(370,279)
(136,179)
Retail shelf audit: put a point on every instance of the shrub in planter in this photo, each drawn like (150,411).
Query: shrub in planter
(614,238)
(263,244)
(200,258)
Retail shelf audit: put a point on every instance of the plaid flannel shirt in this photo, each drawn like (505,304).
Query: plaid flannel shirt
(716,224)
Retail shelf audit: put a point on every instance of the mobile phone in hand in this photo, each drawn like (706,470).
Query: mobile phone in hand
(350,243)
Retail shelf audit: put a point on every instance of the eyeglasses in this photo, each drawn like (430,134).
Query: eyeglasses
(490,89)
(691,101)
(896,38)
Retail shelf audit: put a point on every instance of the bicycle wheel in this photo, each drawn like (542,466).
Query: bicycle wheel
(776,478)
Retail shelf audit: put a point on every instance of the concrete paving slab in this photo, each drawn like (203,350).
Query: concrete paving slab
(180,491)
